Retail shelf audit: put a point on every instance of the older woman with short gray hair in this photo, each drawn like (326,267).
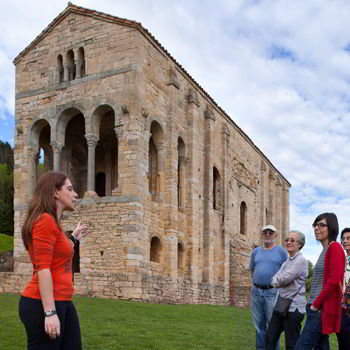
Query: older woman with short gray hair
(290,279)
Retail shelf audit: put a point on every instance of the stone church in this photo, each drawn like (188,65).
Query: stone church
(174,192)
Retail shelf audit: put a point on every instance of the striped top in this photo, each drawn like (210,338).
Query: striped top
(317,277)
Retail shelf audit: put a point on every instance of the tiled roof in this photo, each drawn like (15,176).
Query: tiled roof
(71,8)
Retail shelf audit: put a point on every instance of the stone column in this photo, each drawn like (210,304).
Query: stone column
(108,167)
(91,140)
(78,65)
(193,195)
(32,155)
(225,263)
(262,195)
(56,149)
(271,198)
(278,208)
(208,247)
(65,72)
(285,210)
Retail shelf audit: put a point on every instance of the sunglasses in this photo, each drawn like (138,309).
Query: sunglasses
(268,232)
(319,224)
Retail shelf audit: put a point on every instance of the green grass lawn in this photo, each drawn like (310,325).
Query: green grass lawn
(112,324)
(6,243)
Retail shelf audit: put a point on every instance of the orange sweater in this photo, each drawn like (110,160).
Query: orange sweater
(50,249)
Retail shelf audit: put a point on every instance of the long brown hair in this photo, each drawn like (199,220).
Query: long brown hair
(43,201)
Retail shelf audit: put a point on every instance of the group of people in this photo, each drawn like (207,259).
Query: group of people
(278,274)
(278,289)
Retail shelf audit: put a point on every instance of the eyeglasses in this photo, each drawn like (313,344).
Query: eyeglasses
(291,240)
(266,232)
(319,224)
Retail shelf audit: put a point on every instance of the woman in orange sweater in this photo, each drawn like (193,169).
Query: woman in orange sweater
(46,307)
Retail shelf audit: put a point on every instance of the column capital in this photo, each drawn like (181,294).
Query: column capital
(32,153)
(160,145)
(183,160)
(91,140)
(56,146)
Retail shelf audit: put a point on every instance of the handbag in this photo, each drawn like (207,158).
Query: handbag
(282,304)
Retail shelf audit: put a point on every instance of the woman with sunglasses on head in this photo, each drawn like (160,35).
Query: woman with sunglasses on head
(290,281)
(46,307)
(324,304)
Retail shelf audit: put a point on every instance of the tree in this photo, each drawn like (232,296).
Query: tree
(309,278)
(6,188)
(6,154)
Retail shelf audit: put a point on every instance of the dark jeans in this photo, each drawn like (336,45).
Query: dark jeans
(291,325)
(344,334)
(31,313)
(311,336)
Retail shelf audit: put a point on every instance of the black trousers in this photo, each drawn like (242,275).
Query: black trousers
(291,325)
(31,313)
(344,334)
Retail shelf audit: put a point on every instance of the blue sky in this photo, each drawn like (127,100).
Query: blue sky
(280,69)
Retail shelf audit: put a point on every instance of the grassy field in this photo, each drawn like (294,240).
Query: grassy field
(111,324)
(6,243)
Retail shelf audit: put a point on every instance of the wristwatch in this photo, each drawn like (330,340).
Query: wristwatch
(49,313)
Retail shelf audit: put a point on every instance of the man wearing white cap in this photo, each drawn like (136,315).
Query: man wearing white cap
(265,261)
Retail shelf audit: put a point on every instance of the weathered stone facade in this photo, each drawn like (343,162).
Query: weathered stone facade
(174,192)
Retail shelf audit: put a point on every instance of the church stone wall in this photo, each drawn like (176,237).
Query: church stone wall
(174,192)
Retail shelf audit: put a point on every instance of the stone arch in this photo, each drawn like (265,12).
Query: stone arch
(180,256)
(64,116)
(38,124)
(155,249)
(39,135)
(70,136)
(181,173)
(216,189)
(243,219)
(155,120)
(106,156)
(71,65)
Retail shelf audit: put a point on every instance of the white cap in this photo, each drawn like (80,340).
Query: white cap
(269,227)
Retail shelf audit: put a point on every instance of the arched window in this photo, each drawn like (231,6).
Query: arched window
(243,218)
(155,160)
(71,65)
(152,168)
(155,249)
(180,256)
(181,173)
(216,189)
(59,69)
(81,63)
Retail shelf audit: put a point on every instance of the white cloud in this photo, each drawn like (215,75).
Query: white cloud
(278,68)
